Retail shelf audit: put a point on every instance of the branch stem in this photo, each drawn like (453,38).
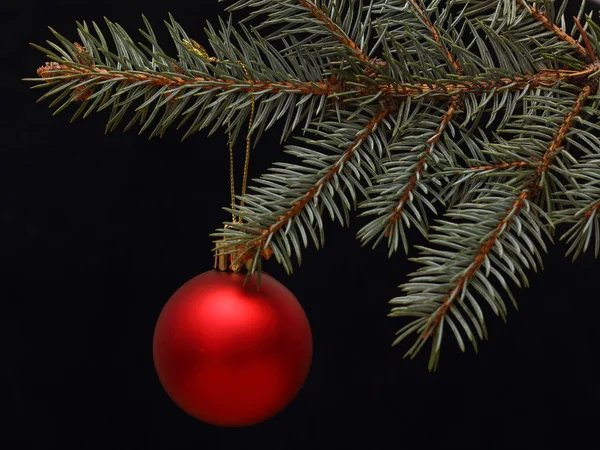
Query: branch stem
(501,165)
(442,89)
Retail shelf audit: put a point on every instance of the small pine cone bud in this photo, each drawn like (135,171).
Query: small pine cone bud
(49,66)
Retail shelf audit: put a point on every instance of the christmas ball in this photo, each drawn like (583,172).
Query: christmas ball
(231,355)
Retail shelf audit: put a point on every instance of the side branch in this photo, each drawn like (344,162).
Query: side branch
(591,55)
(556,145)
(436,37)
(262,242)
(332,26)
(346,155)
(454,106)
(559,32)
(412,184)
(553,149)
(479,259)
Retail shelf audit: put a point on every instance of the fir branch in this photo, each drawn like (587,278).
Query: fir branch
(478,260)
(581,232)
(422,288)
(323,25)
(217,93)
(494,234)
(390,205)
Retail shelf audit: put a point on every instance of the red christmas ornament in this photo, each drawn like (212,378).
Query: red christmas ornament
(232,355)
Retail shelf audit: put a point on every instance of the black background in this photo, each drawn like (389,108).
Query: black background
(98,230)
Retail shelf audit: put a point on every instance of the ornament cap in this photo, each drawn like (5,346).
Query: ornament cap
(224,259)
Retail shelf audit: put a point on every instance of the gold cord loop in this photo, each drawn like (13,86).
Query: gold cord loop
(224,259)
(196,48)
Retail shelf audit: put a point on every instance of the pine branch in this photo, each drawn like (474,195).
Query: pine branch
(417,6)
(484,111)
(157,82)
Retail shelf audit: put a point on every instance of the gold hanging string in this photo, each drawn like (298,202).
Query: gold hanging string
(248,147)
(196,48)
(223,259)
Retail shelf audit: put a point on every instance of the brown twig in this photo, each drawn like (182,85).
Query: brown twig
(51,69)
(556,145)
(591,55)
(544,78)
(501,165)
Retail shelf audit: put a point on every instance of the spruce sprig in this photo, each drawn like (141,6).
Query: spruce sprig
(472,121)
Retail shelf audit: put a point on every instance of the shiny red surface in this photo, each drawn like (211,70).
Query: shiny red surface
(231,355)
